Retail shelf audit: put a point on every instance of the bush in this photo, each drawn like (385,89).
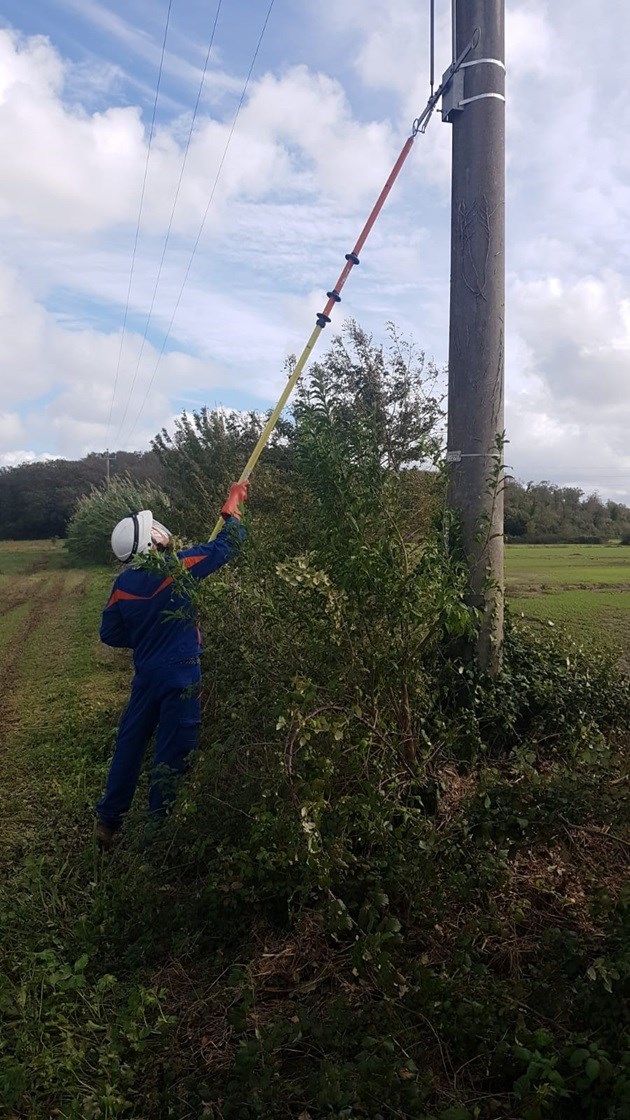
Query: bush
(359,828)
(390,885)
(89,531)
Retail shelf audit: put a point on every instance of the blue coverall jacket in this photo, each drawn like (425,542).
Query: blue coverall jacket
(166,685)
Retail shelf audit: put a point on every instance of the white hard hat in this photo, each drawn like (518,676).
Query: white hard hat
(135,534)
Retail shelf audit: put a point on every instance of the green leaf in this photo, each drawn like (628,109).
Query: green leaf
(592,1068)
(578,1058)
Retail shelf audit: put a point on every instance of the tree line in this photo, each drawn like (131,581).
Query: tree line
(542,513)
(194,463)
(37,500)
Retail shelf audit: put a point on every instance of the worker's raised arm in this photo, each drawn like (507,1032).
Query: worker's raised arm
(203,559)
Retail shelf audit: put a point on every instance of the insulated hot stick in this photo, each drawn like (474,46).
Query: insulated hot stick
(322,319)
(352,258)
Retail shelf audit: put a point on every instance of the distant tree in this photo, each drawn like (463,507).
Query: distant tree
(515,525)
(543,512)
(37,499)
(209,449)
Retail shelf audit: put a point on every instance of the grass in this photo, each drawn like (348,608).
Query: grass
(583,588)
(567,565)
(11,621)
(68,1022)
(19,557)
(54,673)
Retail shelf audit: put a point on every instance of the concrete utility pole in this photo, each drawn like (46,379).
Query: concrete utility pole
(110,457)
(475,106)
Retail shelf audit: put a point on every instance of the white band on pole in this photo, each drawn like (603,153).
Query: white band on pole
(480,97)
(490,61)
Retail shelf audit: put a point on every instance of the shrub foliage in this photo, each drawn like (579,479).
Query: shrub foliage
(96,513)
(373,846)
(390,886)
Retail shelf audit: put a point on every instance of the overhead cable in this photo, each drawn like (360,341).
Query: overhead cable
(170,222)
(203,220)
(140,208)
(432,47)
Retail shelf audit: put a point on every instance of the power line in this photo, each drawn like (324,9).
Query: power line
(137,234)
(203,220)
(170,223)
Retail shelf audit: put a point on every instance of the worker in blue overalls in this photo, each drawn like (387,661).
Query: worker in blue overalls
(166,652)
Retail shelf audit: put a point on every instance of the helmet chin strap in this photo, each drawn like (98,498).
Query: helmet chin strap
(136,533)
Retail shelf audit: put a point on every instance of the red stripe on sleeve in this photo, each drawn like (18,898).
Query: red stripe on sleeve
(190,561)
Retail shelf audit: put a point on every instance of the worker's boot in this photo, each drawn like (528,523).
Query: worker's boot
(106,836)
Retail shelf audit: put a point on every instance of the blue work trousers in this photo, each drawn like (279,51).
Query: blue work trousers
(164,700)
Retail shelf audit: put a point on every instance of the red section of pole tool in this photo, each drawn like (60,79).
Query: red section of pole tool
(378,205)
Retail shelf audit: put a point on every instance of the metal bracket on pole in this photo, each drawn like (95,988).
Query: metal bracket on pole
(481,97)
(453,96)
(421,122)
(453,99)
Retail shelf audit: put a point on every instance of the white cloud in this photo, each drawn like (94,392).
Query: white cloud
(23,343)
(82,172)
(529,40)
(76,171)
(568,387)
(78,366)
(14,458)
(305,163)
(11,429)
(310,113)
(579,340)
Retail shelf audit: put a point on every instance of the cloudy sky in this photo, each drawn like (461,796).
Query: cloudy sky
(260,213)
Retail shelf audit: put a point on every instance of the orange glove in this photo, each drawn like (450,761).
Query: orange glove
(238,493)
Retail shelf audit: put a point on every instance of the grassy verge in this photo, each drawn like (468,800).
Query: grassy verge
(55,679)
(68,1026)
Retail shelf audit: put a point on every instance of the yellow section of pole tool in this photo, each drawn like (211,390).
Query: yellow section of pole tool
(275,415)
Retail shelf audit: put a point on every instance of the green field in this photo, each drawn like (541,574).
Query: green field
(53,669)
(584,588)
